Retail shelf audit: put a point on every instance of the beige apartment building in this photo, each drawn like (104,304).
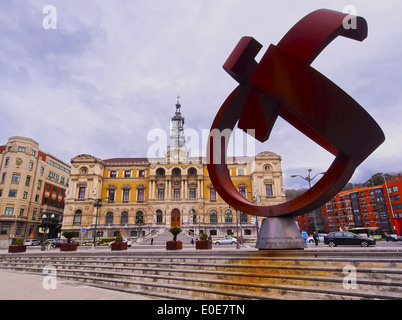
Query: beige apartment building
(33,186)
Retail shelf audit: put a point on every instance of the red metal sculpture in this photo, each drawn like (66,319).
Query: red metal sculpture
(284,84)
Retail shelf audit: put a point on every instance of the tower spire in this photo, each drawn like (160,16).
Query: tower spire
(178,105)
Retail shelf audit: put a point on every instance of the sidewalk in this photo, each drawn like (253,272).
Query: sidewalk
(16,285)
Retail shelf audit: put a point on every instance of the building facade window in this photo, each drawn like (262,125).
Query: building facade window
(268,190)
(139,218)
(112,193)
(81,193)
(9,211)
(15,177)
(124,217)
(213,216)
(5,229)
(140,196)
(212,194)
(192,193)
(161,194)
(77,218)
(176,194)
(126,195)
(228,216)
(12,193)
(159,216)
(109,217)
(243,217)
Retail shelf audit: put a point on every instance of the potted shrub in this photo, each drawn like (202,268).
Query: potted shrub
(18,246)
(203,243)
(69,246)
(118,244)
(174,244)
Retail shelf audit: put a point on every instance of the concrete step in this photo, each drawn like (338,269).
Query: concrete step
(327,277)
(209,289)
(218,268)
(207,277)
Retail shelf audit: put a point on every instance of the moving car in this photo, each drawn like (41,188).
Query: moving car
(334,239)
(393,237)
(32,242)
(226,240)
(129,243)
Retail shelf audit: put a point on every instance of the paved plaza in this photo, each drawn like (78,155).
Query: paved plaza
(15,285)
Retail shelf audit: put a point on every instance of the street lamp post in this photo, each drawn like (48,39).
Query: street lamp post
(46,222)
(256,200)
(237,227)
(97,205)
(309,179)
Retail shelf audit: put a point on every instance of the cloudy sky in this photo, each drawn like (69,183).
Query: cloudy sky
(110,72)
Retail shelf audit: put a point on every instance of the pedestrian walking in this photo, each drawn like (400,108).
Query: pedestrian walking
(315,238)
(305,236)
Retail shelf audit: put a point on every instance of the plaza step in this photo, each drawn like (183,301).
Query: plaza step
(199,275)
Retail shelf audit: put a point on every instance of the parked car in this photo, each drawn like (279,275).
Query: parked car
(393,237)
(225,240)
(334,239)
(32,242)
(320,237)
(58,243)
(52,240)
(129,243)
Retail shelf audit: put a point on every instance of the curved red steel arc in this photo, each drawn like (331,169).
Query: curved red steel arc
(283,84)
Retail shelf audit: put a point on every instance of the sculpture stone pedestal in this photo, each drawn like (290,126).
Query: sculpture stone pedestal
(279,234)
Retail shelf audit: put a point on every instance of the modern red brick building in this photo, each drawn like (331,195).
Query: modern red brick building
(375,207)
(393,189)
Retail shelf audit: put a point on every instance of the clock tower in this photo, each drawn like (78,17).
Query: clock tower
(177,151)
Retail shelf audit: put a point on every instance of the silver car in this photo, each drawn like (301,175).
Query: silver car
(32,242)
(226,240)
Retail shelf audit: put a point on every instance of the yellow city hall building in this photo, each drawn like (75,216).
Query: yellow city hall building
(142,196)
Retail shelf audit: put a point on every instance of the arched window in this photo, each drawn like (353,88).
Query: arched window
(243,217)
(160,172)
(84,170)
(124,217)
(159,216)
(77,218)
(193,216)
(176,172)
(213,216)
(139,218)
(228,216)
(192,172)
(109,217)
